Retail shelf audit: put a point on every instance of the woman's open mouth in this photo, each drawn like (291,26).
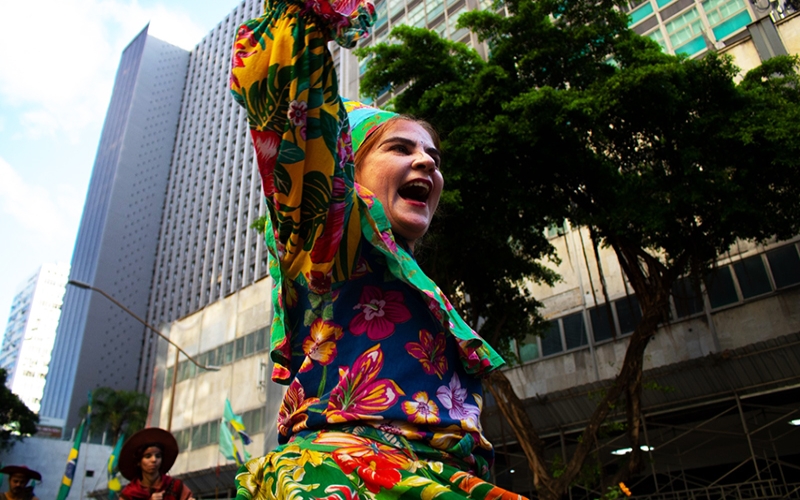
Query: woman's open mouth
(417,190)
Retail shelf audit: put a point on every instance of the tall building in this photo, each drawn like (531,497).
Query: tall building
(97,343)
(31,331)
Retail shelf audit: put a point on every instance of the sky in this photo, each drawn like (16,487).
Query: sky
(58,59)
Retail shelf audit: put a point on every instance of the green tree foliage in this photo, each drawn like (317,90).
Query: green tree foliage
(666,160)
(117,411)
(16,420)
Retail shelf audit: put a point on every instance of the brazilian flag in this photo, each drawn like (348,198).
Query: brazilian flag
(72,460)
(114,485)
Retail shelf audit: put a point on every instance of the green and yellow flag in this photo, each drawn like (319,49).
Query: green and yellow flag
(236,422)
(114,485)
(72,459)
(226,445)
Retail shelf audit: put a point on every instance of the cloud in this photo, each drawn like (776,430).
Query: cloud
(58,58)
(50,218)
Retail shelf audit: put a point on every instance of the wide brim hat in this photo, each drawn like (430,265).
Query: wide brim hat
(128,466)
(21,469)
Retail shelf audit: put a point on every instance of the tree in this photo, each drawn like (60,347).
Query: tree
(117,411)
(16,420)
(665,159)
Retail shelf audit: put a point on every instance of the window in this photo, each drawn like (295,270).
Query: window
(213,431)
(720,288)
(199,436)
(640,13)
(183,437)
(416,16)
(752,276)
(602,323)
(628,314)
(452,20)
(551,340)
(529,348)
(240,348)
(261,338)
(687,297)
(785,265)
(574,330)
(685,32)
(250,344)
(253,421)
(726,16)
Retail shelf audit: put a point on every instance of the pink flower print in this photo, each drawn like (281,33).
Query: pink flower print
(320,345)
(388,240)
(266,143)
(292,414)
(327,244)
(380,312)
(339,492)
(433,305)
(359,395)
(421,410)
(241,51)
(336,14)
(430,352)
(365,194)
(444,298)
(319,282)
(298,110)
(345,149)
(472,360)
(454,397)
(400,428)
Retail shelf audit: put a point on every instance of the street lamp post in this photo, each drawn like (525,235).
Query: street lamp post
(180,350)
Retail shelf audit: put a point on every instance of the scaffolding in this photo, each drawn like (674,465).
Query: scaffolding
(743,443)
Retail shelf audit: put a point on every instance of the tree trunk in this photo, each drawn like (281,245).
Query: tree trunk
(651,280)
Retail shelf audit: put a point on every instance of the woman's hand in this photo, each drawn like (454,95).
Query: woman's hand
(157,496)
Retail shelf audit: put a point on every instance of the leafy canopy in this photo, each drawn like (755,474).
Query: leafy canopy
(117,411)
(16,420)
(573,115)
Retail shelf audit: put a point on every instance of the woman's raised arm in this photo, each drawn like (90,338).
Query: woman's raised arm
(283,74)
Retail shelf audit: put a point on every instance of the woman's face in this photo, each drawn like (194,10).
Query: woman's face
(151,460)
(403,172)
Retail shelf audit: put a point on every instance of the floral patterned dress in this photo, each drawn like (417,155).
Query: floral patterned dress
(384,395)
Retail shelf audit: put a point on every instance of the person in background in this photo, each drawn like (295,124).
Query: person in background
(144,460)
(18,478)
(384,377)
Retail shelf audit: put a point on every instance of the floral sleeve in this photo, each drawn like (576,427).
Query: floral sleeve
(283,75)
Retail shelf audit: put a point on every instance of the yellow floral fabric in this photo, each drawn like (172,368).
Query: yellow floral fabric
(333,465)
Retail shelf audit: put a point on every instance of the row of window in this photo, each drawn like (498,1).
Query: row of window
(726,285)
(225,354)
(207,433)
(687,25)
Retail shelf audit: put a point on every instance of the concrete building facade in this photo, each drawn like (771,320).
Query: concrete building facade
(98,344)
(31,331)
(49,458)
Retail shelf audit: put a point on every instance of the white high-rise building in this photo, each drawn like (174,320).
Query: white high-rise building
(31,331)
